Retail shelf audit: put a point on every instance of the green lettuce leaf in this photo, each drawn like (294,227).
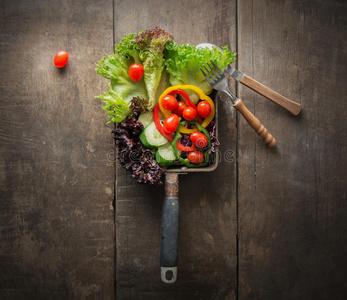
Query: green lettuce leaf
(116,108)
(183,63)
(151,44)
(115,67)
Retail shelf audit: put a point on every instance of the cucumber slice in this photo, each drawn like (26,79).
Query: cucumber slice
(151,137)
(165,155)
(146,118)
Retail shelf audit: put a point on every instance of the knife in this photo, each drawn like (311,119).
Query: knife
(261,89)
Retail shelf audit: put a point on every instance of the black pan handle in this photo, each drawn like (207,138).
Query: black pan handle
(170,230)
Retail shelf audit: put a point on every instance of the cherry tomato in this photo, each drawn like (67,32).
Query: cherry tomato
(136,72)
(199,139)
(195,157)
(171,123)
(61,58)
(189,113)
(204,109)
(169,102)
(180,108)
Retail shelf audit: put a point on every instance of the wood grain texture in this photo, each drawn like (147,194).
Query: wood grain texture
(292,198)
(207,249)
(290,105)
(56,181)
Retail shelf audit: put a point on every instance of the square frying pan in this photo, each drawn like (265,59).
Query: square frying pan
(170,212)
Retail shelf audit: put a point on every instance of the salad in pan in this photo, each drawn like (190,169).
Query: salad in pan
(159,99)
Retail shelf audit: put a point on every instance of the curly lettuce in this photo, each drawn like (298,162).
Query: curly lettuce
(116,108)
(145,48)
(122,90)
(151,44)
(183,63)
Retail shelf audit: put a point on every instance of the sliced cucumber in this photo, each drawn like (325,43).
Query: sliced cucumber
(146,118)
(165,155)
(151,137)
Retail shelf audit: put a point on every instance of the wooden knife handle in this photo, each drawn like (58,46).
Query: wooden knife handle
(290,105)
(269,140)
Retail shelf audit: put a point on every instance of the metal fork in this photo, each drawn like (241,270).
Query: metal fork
(216,78)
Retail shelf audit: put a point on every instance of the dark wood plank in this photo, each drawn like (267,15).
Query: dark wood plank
(207,254)
(292,204)
(56,187)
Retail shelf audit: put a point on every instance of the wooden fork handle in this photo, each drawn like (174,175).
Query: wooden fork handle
(269,140)
(290,105)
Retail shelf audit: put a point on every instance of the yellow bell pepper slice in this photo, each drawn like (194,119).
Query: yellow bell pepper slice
(202,96)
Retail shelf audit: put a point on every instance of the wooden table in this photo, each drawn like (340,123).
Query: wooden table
(267,224)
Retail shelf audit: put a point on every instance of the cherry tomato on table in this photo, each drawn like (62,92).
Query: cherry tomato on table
(199,139)
(171,123)
(204,109)
(189,113)
(136,72)
(169,102)
(195,157)
(180,108)
(61,58)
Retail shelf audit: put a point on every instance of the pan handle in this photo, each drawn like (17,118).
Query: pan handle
(170,230)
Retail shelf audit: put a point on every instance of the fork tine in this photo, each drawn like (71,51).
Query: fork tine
(207,78)
(212,77)
(216,67)
(214,72)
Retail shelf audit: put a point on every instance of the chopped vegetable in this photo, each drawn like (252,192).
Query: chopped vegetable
(146,118)
(211,128)
(201,95)
(184,95)
(167,135)
(185,161)
(183,63)
(179,146)
(151,137)
(164,155)
(159,125)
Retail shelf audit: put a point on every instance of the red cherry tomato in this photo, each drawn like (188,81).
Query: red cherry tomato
(195,157)
(180,108)
(61,58)
(199,139)
(189,113)
(136,72)
(169,102)
(171,123)
(204,109)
